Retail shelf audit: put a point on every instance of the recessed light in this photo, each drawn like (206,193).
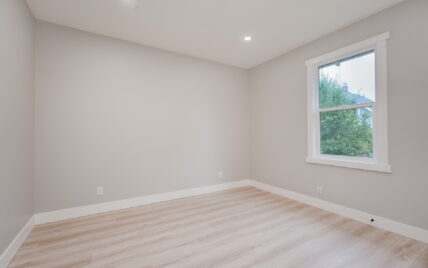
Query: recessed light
(130,3)
(248,38)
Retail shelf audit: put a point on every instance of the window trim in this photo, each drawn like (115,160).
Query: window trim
(380,161)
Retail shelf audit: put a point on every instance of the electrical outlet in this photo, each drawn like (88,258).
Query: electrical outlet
(100,190)
(220,174)
(319,189)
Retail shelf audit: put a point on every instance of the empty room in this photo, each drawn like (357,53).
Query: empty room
(213,133)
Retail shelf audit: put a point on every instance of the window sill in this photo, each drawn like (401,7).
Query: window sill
(350,164)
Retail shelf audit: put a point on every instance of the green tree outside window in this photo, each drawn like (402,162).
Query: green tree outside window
(345,132)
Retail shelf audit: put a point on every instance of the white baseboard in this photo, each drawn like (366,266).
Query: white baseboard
(406,230)
(412,232)
(63,214)
(75,212)
(13,247)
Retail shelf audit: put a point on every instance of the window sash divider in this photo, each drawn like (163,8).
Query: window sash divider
(347,107)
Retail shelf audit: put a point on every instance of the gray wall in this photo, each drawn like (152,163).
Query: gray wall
(279,137)
(139,121)
(16,118)
(133,119)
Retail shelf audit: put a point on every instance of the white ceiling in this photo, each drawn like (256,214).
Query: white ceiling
(211,29)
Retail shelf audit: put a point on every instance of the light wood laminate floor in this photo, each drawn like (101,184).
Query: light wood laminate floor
(243,227)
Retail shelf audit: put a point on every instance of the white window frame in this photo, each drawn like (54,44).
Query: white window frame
(379,161)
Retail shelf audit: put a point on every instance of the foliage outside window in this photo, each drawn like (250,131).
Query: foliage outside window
(347,131)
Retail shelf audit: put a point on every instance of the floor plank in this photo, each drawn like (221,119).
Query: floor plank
(243,227)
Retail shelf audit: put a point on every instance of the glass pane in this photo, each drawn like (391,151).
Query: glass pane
(348,81)
(347,132)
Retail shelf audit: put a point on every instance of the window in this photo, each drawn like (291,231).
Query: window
(347,107)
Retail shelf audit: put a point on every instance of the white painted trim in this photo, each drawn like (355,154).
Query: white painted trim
(351,48)
(13,247)
(406,230)
(380,161)
(58,215)
(69,213)
(371,166)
